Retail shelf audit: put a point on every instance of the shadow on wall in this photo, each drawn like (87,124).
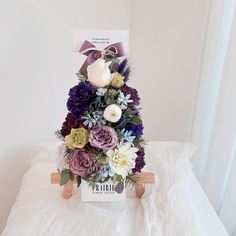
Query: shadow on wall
(14,164)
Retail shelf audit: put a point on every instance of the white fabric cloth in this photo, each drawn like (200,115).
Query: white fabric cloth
(174,206)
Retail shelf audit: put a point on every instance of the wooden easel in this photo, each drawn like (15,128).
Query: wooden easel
(143,178)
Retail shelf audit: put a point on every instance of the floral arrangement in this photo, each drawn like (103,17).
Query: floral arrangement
(102,132)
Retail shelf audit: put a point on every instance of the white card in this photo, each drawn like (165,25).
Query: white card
(101,38)
(101,192)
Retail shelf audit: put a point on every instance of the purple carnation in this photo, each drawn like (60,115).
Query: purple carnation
(103,137)
(139,161)
(80,96)
(81,162)
(70,122)
(137,130)
(133,95)
(76,110)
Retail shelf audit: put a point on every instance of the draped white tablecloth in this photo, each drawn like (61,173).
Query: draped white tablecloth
(174,206)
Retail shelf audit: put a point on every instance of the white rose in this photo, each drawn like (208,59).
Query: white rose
(112,113)
(99,73)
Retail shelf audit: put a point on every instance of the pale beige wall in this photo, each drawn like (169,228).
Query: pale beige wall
(166,46)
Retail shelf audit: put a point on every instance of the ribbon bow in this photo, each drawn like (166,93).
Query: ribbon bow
(108,53)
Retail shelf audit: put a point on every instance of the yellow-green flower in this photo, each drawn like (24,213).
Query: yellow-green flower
(77,138)
(117,81)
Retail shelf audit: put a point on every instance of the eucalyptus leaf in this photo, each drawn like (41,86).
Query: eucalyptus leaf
(102,159)
(117,178)
(128,113)
(78,181)
(136,120)
(71,176)
(65,177)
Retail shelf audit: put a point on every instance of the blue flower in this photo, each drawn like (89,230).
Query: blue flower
(96,118)
(107,171)
(126,135)
(101,92)
(89,121)
(125,99)
(98,176)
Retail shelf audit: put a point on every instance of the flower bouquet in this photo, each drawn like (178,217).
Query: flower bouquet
(102,133)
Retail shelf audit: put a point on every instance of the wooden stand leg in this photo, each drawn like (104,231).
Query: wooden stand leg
(144,178)
(68,188)
(139,189)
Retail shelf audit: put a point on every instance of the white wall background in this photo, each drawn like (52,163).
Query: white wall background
(37,67)
(166,45)
(214,129)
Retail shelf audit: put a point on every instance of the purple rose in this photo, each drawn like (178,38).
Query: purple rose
(103,137)
(81,163)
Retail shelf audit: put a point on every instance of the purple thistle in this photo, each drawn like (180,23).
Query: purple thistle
(126,74)
(122,67)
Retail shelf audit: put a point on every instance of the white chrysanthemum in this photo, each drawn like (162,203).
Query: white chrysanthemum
(99,73)
(122,159)
(112,113)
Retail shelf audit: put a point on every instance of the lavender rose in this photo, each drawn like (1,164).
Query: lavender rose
(61,160)
(81,163)
(103,137)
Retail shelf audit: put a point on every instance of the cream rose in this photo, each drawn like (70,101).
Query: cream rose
(99,73)
(117,80)
(112,113)
(77,138)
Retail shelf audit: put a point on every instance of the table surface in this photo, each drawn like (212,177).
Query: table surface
(155,211)
(210,222)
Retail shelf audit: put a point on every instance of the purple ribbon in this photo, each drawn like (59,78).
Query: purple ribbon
(108,53)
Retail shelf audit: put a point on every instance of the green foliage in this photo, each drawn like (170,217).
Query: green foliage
(117,178)
(68,151)
(111,96)
(122,124)
(102,159)
(91,181)
(65,177)
(139,142)
(78,178)
(128,113)
(59,135)
(114,60)
(136,120)
(81,77)
(131,180)
(128,117)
